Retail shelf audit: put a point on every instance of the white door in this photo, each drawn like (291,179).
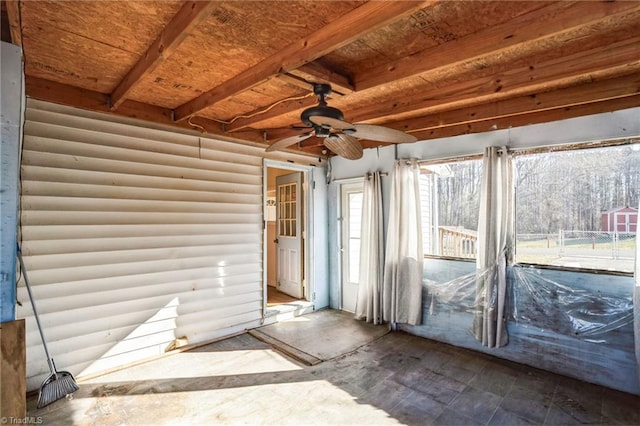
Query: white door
(351,217)
(289,234)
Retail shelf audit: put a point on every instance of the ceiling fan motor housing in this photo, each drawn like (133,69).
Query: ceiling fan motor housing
(321,90)
(322,111)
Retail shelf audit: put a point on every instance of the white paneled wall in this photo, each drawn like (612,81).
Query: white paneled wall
(133,237)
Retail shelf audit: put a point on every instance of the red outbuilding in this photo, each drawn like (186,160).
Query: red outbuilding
(622,219)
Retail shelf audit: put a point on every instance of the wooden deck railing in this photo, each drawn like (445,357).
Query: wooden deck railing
(457,241)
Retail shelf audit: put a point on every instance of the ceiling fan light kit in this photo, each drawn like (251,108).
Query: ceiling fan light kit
(340,136)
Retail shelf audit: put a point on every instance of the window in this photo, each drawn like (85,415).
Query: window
(287,220)
(450,200)
(578,208)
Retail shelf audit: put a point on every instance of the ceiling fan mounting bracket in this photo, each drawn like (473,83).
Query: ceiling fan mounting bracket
(321,90)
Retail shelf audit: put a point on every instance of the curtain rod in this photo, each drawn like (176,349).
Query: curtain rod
(383,174)
(357,178)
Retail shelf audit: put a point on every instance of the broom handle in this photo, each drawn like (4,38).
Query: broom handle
(35,311)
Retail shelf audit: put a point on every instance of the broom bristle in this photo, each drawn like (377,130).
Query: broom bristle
(55,387)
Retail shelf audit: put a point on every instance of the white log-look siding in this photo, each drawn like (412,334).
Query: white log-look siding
(133,237)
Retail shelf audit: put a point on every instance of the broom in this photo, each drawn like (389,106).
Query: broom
(59,383)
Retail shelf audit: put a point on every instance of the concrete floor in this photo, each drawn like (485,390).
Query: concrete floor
(396,379)
(324,335)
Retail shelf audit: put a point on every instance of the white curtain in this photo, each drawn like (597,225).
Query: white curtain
(636,299)
(495,236)
(369,301)
(402,288)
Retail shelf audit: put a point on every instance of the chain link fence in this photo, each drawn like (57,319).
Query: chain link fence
(584,249)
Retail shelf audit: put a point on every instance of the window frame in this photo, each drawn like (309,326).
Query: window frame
(517,152)
(424,169)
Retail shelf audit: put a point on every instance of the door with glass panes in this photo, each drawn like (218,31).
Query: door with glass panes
(289,234)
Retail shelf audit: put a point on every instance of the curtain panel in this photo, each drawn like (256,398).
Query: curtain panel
(369,300)
(636,301)
(495,240)
(402,287)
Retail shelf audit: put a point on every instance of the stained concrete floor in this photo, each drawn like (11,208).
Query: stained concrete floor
(396,379)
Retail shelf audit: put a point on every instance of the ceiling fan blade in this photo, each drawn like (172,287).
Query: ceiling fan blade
(381,133)
(334,123)
(344,145)
(291,140)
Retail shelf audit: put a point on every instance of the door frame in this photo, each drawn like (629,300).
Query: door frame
(307,228)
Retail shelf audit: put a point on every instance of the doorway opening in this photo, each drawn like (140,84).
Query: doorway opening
(286,219)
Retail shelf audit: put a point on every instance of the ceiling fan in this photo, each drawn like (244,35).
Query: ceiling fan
(341,137)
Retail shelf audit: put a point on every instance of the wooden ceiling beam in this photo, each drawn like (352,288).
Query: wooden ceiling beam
(294,81)
(609,61)
(316,73)
(507,84)
(533,31)
(59,93)
(278,110)
(13,15)
(189,16)
(496,123)
(536,117)
(351,26)
(596,91)
(284,132)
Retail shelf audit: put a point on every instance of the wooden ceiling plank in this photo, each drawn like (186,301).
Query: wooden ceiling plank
(13,14)
(189,16)
(596,91)
(605,62)
(366,18)
(536,117)
(537,26)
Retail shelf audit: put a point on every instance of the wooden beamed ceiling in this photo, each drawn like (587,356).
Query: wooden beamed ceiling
(243,69)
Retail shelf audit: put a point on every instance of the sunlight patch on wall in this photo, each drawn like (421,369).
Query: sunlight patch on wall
(148,339)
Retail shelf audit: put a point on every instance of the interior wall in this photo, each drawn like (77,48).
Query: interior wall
(318,233)
(611,125)
(618,124)
(135,238)
(548,341)
(11,115)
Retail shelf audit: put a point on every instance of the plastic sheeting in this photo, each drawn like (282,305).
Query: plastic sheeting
(542,299)
(564,308)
